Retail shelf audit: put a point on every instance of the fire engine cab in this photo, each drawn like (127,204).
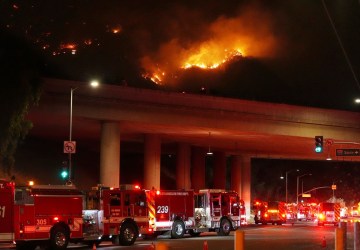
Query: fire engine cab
(116,214)
(218,210)
(40,215)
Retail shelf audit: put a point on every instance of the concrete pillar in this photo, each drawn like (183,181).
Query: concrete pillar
(219,170)
(236,174)
(110,154)
(198,168)
(152,157)
(246,184)
(183,161)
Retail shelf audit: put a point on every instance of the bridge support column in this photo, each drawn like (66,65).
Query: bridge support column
(198,168)
(152,157)
(183,161)
(219,170)
(236,173)
(246,184)
(110,154)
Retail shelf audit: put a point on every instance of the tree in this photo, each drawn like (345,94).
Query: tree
(20,88)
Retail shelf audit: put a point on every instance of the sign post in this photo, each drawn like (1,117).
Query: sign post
(69,147)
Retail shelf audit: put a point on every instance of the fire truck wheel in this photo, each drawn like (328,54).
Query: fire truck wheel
(178,229)
(59,238)
(225,227)
(128,234)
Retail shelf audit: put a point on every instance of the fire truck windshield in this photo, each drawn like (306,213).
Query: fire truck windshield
(22,196)
(200,201)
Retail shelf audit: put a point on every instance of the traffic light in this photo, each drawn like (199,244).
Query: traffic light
(64,170)
(64,173)
(319,143)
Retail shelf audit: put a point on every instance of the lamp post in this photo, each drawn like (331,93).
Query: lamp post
(286,183)
(297,186)
(93,84)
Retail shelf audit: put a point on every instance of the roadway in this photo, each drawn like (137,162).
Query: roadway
(301,235)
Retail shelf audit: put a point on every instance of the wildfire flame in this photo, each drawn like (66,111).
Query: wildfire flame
(224,40)
(207,59)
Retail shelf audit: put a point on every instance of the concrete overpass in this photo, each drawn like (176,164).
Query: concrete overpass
(196,123)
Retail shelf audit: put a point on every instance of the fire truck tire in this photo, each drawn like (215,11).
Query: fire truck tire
(128,234)
(225,227)
(59,238)
(178,229)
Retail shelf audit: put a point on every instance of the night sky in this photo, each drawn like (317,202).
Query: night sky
(275,51)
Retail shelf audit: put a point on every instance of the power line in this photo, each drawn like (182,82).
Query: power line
(341,44)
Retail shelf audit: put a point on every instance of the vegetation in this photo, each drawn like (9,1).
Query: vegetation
(20,88)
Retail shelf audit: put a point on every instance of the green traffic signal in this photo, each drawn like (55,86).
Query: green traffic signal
(319,143)
(64,174)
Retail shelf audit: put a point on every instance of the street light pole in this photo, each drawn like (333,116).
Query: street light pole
(297,187)
(93,84)
(286,183)
(70,132)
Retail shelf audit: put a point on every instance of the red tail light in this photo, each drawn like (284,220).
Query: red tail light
(21,230)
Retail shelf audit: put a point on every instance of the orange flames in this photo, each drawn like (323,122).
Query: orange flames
(226,39)
(208,59)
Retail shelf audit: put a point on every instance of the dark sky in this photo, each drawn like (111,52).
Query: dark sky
(289,50)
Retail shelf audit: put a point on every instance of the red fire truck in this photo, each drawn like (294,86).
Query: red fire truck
(307,211)
(40,215)
(122,214)
(270,212)
(209,210)
(116,214)
(328,213)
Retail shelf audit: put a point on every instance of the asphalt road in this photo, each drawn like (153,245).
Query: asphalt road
(301,235)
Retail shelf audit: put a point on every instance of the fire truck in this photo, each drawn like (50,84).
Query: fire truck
(291,212)
(116,214)
(270,212)
(34,216)
(307,211)
(354,210)
(328,213)
(122,214)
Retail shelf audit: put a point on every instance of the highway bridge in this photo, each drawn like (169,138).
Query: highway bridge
(196,124)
